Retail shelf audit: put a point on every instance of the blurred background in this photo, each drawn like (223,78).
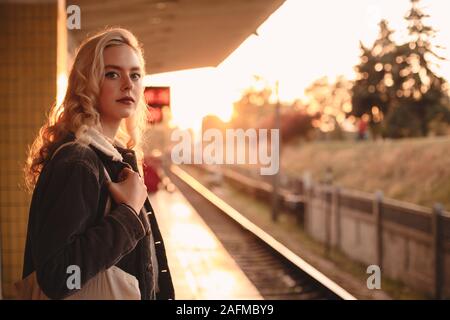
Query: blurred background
(358,89)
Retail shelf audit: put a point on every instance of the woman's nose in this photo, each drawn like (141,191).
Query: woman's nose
(127,84)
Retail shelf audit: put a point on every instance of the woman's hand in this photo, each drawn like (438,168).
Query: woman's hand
(131,189)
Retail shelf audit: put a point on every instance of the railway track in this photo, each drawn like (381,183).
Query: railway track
(273,269)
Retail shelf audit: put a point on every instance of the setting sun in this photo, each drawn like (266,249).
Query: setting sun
(195,94)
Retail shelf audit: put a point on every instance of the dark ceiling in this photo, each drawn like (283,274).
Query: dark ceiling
(177,34)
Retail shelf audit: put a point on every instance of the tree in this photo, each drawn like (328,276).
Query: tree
(256,109)
(396,82)
(424,90)
(293,124)
(331,100)
(253,105)
(373,92)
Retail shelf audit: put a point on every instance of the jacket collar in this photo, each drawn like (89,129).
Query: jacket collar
(96,139)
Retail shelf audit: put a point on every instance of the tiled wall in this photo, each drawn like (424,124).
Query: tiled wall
(28,60)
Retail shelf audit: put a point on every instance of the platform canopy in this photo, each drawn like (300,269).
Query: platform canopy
(177,34)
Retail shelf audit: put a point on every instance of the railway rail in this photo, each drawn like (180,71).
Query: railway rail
(274,270)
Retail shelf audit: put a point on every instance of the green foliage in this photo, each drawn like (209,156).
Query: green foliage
(396,86)
(329,101)
(401,123)
(294,124)
(256,110)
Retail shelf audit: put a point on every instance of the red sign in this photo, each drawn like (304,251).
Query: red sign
(155,115)
(157,97)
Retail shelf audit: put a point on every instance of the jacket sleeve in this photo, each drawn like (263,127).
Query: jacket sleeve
(65,235)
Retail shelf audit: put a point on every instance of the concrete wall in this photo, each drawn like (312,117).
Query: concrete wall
(406,253)
(399,239)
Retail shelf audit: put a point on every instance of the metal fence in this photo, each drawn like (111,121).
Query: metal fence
(431,225)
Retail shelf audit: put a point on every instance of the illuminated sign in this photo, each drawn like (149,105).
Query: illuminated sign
(157,97)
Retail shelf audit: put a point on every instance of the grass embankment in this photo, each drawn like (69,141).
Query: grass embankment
(413,170)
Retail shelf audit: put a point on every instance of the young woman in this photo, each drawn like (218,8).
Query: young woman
(96,128)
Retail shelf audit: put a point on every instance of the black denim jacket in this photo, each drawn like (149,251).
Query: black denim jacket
(67,225)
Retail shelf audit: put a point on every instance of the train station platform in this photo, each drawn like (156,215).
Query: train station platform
(201,267)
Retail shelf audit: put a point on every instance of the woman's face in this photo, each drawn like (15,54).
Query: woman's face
(122,83)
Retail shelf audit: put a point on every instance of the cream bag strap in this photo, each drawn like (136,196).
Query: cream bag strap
(110,284)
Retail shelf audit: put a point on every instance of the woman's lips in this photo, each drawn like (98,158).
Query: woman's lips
(127,100)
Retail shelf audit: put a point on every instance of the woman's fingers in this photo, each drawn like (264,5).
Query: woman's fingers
(123,175)
(130,189)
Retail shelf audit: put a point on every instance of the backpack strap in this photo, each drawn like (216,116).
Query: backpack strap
(108,177)
(60,147)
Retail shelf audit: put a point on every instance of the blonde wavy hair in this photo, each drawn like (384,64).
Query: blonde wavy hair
(78,111)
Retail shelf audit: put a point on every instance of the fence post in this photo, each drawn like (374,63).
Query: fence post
(307,187)
(378,214)
(328,209)
(297,187)
(437,252)
(337,214)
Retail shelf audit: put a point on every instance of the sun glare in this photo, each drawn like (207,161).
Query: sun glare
(195,94)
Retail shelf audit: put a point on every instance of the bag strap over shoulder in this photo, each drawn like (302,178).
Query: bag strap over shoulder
(74,142)
(60,147)
(108,177)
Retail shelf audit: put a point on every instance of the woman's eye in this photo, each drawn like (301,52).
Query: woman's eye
(112,75)
(135,76)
